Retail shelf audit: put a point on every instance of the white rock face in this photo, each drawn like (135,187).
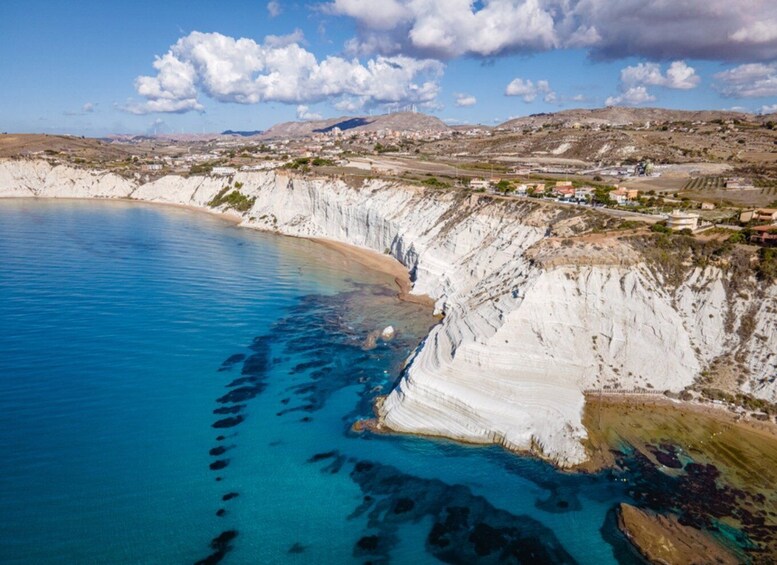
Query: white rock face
(522,338)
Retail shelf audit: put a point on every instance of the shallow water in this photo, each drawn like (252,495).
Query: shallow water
(174,389)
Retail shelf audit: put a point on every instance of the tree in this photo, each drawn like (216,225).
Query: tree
(602,194)
(504,186)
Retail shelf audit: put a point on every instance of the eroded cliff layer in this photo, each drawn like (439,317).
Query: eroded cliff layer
(537,309)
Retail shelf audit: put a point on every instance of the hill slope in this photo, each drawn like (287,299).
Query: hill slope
(620,116)
(401,121)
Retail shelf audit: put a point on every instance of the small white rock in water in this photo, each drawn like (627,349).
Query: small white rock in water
(388,333)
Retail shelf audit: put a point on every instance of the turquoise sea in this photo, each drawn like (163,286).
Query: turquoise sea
(175,389)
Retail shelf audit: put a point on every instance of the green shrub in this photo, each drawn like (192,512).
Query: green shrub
(435,182)
(504,186)
(767,264)
(629,225)
(660,228)
(299,163)
(235,200)
(201,168)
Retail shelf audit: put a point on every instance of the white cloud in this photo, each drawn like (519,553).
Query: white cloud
(173,89)
(156,127)
(243,71)
(771,109)
(635,79)
(297,36)
(449,28)
(529,91)
(383,15)
(659,29)
(164,105)
(350,105)
(87,108)
(678,76)
(757,32)
(304,113)
(274,8)
(465,100)
(633,96)
(754,80)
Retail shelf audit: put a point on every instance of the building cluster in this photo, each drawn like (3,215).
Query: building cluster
(765,232)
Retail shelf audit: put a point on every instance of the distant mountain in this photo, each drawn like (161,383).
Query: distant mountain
(621,116)
(401,121)
(174,137)
(243,133)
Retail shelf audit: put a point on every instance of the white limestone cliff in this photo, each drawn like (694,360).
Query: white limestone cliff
(529,325)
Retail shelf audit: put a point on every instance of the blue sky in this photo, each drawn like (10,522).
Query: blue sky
(73,67)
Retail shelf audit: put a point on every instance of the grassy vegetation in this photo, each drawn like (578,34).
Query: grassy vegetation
(741,399)
(380,148)
(304,163)
(767,264)
(674,254)
(434,182)
(629,225)
(202,168)
(234,199)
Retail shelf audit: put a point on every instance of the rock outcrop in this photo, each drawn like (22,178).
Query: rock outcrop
(530,322)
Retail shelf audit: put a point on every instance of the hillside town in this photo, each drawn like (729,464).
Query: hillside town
(683,193)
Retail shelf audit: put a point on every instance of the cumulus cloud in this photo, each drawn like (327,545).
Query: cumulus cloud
(656,29)
(635,79)
(753,80)
(350,105)
(633,96)
(245,72)
(770,109)
(757,32)
(448,28)
(529,91)
(680,29)
(679,75)
(465,100)
(304,113)
(87,108)
(274,8)
(297,36)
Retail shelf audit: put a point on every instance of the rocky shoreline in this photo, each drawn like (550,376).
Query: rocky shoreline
(535,314)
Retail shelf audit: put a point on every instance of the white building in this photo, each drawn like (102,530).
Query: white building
(584,193)
(223,171)
(479,184)
(682,220)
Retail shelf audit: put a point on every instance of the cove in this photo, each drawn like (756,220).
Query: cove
(174,389)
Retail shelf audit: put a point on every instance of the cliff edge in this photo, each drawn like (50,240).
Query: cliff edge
(537,309)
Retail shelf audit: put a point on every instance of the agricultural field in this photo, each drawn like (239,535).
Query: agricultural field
(705,183)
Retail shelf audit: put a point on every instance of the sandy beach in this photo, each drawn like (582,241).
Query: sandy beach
(382,263)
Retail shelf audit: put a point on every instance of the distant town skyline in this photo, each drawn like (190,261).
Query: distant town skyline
(93,68)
